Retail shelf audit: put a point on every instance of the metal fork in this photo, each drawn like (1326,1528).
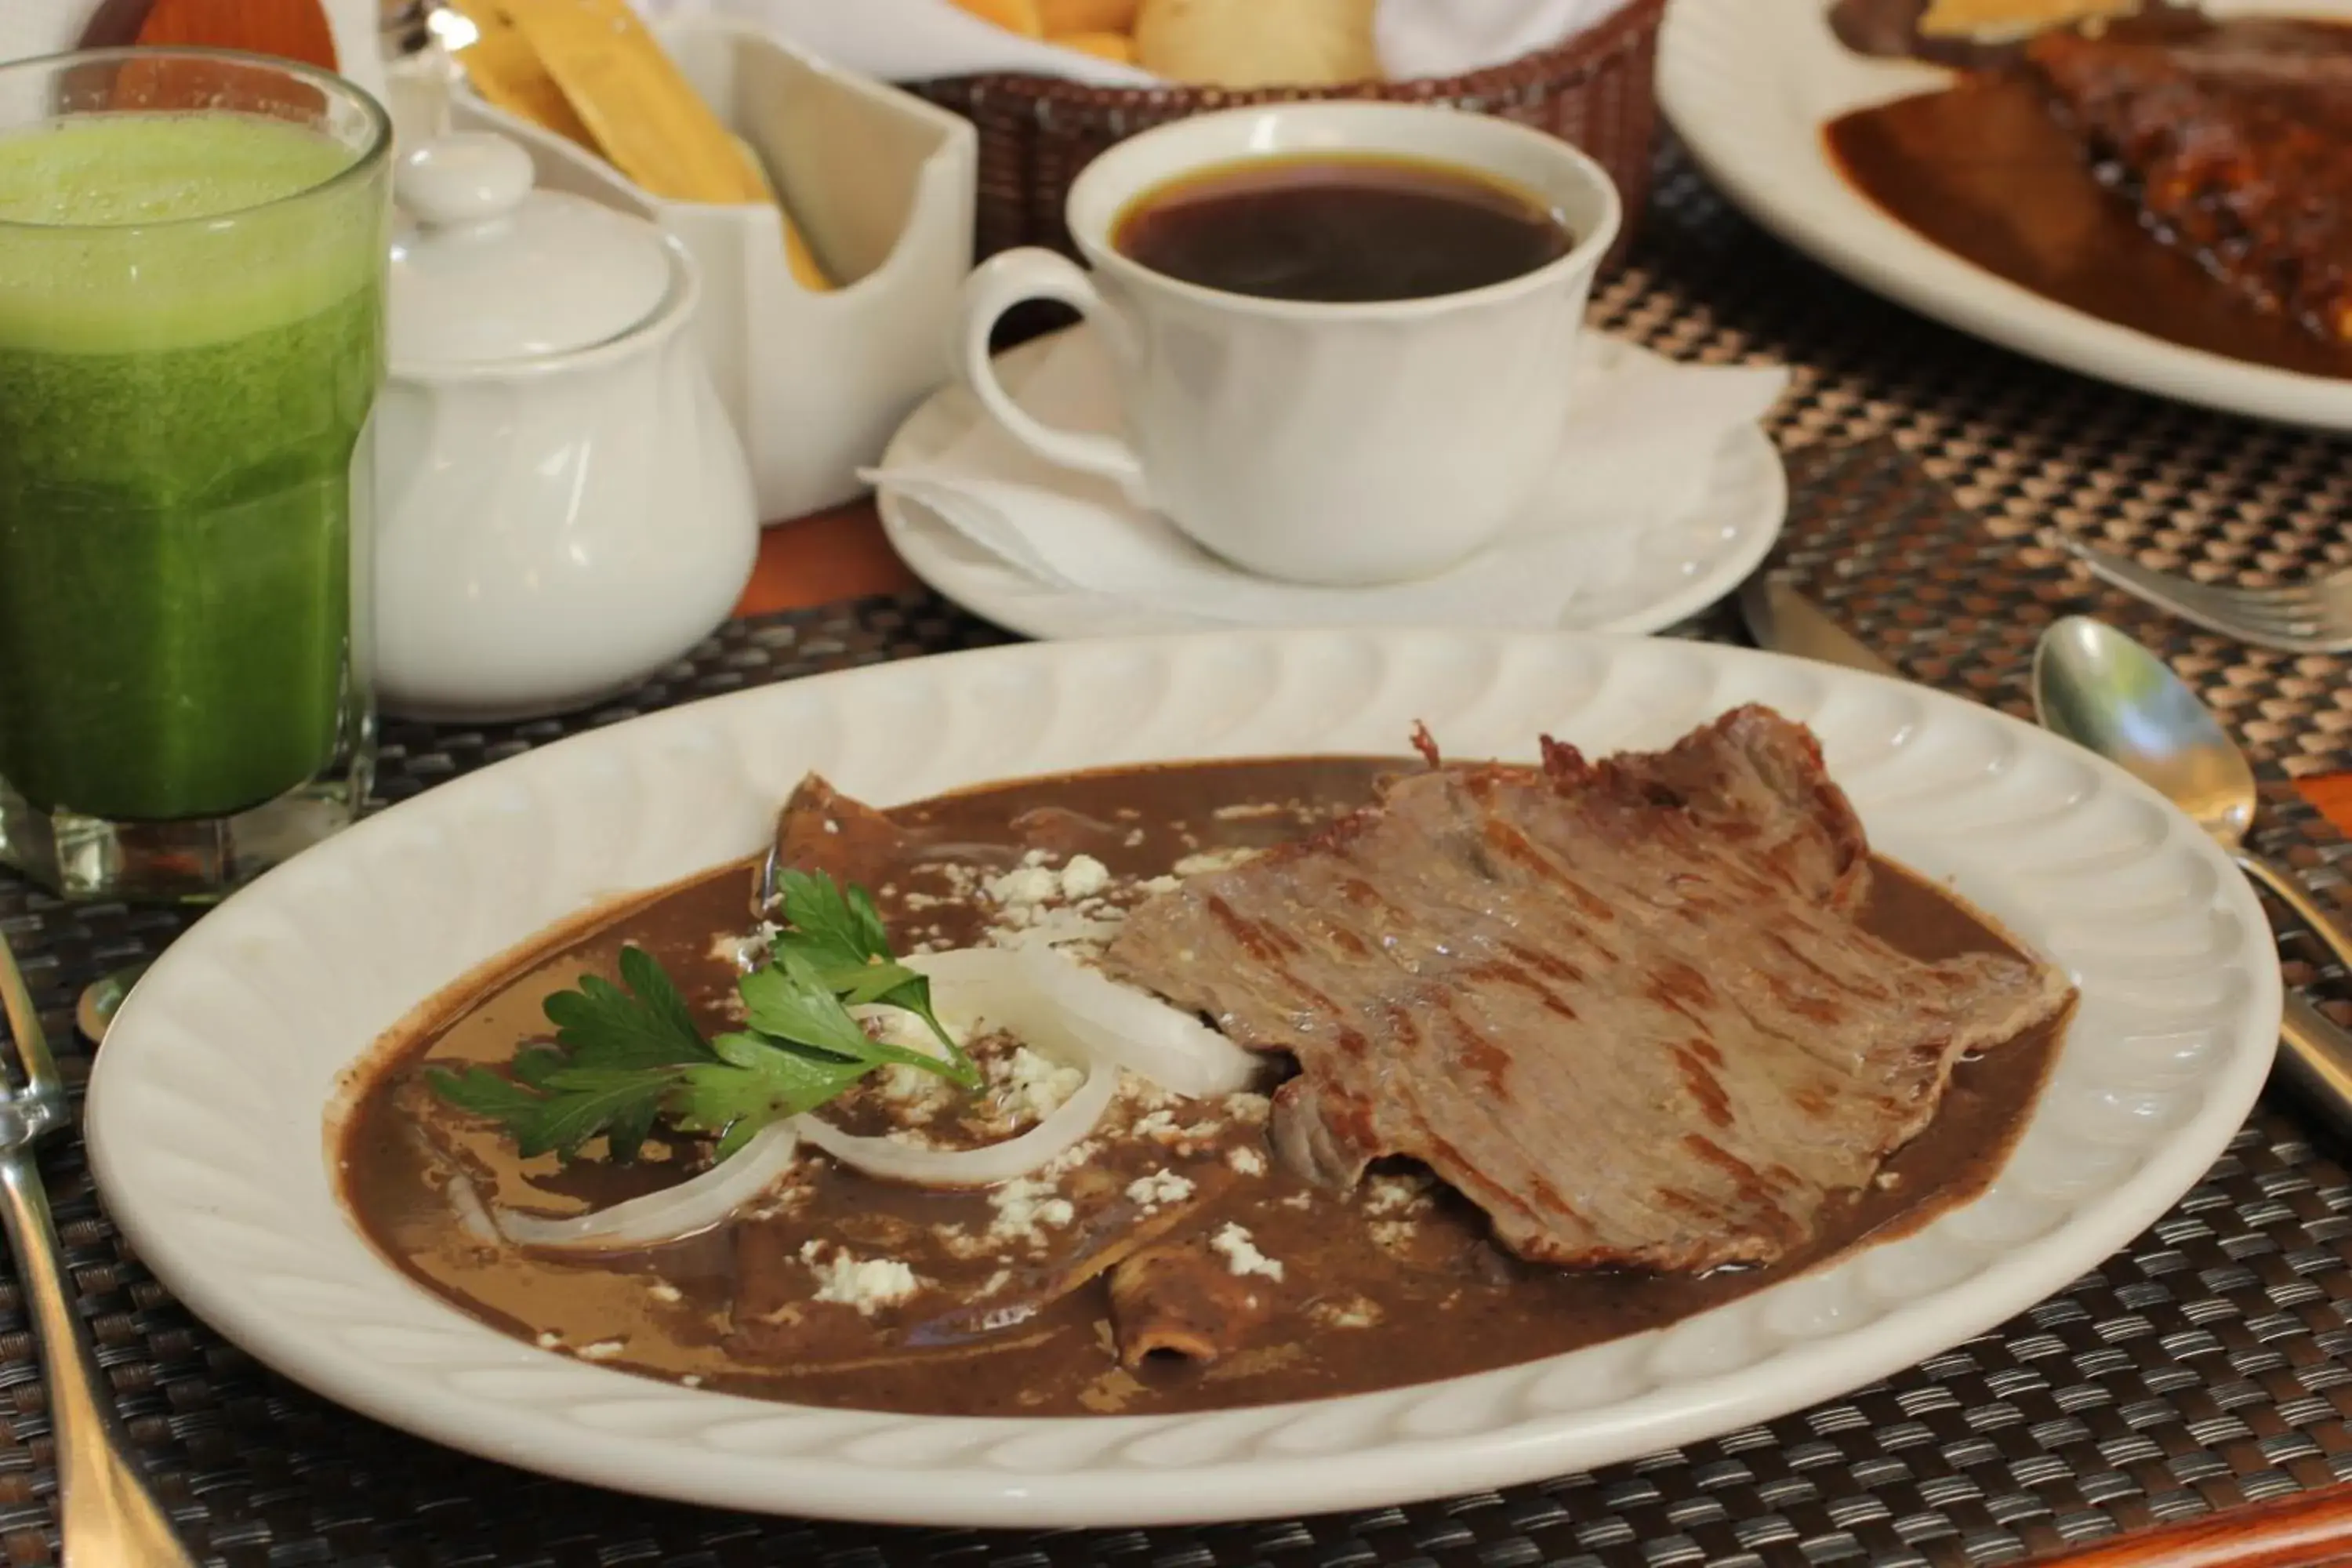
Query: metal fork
(2305,617)
(106,1516)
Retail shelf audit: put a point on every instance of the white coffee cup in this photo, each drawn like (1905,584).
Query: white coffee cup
(1335,443)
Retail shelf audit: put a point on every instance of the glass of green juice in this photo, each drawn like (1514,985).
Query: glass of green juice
(192,253)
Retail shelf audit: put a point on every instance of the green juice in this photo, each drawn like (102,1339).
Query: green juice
(189,348)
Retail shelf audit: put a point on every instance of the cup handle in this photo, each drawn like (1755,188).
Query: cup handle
(1014,277)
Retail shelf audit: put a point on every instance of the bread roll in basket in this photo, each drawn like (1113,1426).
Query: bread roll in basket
(1595,89)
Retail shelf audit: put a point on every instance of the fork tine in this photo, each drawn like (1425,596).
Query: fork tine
(41,1076)
(2304,620)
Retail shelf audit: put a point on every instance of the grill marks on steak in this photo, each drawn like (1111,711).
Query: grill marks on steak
(1623,1006)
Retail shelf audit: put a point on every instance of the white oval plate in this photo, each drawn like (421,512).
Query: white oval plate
(1748,84)
(1673,571)
(205,1109)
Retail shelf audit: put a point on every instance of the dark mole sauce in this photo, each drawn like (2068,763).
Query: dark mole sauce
(1983,170)
(1448,1304)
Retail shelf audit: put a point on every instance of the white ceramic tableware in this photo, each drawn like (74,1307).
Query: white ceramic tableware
(563,507)
(1337,444)
(1646,577)
(207,1106)
(881,184)
(1748,85)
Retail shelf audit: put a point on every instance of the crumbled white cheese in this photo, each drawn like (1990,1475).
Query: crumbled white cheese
(1160,885)
(1232,1243)
(602,1350)
(1159,1126)
(1392,1233)
(1068,1160)
(831,825)
(1035,857)
(1249,1110)
(1034,1085)
(1159,1187)
(1393,1194)
(918,1093)
(1084,877)
(1025,885)
(692,1380)
(1026,1207)
(1137,1090)
(1246,1161)
(996,1281)
(663,1291)
(1135,837)
(962,1243)
(1216,860)
(1297,1201)
(1346,1312)
(551,1341)
(865,1283)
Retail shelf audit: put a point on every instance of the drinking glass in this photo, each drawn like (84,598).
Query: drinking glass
(192,252)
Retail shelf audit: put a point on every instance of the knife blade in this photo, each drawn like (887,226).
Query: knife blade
(1784,621)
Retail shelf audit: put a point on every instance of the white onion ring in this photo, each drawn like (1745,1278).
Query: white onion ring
(1069,1124)
(472,1212)
(674,1213)
(1064,1009)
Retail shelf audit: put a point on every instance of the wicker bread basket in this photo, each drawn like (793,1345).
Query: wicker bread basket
(1595,90)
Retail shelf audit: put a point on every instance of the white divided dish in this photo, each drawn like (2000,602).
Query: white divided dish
(1748,85)
(881,183)
(209,1105)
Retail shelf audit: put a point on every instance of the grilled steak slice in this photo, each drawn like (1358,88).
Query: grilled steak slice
(2237,146)
(1623,1006)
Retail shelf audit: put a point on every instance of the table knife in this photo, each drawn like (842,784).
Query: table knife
(2317,1059)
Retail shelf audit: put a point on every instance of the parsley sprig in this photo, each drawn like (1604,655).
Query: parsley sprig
(628,1058)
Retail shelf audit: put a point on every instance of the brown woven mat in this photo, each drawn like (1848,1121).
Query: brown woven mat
(2207,1365)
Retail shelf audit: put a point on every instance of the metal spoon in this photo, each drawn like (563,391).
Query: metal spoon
(100,1000)
(2106,692)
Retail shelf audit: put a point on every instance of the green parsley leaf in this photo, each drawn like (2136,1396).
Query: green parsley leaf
(628,1058)
(757,1083)
(840,934)
(603,1025)
(484,1092)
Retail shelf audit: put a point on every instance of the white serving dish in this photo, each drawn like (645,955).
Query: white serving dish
(882,185)
(207,1107)
(1748,84)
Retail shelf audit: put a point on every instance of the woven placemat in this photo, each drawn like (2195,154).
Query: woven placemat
(2207,1365)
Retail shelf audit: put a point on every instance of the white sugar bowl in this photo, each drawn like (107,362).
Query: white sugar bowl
(563,507)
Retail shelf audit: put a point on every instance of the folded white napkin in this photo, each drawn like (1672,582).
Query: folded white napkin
(1447,37)
(1638,453)
(908,40)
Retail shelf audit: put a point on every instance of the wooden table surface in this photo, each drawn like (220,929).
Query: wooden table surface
(841,554)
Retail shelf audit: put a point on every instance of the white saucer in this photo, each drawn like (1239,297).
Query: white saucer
(1679,568)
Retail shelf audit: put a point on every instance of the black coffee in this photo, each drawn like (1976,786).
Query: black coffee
(1340,230)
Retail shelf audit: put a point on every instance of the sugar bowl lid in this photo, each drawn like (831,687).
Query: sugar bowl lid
(486,269)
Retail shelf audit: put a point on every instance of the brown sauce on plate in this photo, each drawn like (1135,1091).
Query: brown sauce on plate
(1983,170)
(1394,1285)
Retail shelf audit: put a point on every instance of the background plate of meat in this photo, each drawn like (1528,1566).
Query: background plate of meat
(208,1104)
(2159,197)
